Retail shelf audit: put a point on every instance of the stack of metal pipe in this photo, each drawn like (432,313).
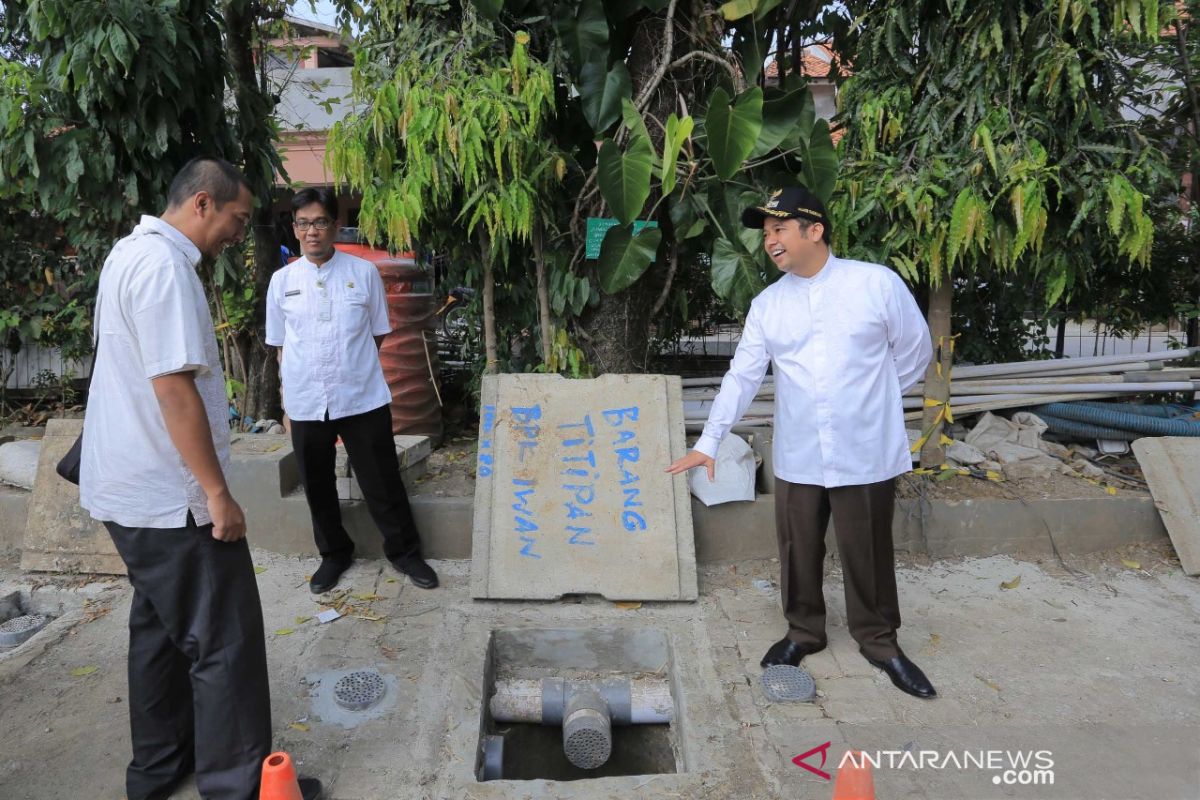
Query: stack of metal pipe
(994,387)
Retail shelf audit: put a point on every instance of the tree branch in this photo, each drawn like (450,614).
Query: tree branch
(738,81)
(668,45)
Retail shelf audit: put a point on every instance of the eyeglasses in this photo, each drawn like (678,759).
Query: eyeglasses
(321,223)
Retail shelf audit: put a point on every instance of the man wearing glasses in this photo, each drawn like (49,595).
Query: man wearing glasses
(327,314)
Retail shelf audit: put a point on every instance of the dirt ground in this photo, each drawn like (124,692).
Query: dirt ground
(451,472)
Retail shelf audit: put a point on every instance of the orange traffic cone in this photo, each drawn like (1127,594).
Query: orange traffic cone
(854,780)
(279,779)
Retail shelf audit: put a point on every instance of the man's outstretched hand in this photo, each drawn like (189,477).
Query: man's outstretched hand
(692,460)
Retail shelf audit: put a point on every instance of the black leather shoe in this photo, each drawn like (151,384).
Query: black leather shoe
(785,651)
(327,575)
(310,788)
(906,675)
(420,573)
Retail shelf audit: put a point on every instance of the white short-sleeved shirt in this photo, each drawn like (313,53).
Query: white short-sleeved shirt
(325,319)
(845,344)
(152,319)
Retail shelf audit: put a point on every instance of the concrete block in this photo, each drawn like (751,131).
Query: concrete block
(59,535)
(1172,468)
(14,507)
(263,466)
(571,496)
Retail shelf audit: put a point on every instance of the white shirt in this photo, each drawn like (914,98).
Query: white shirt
(845,344)
(152,319)
(325,319)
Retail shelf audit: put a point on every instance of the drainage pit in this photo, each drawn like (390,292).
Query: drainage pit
(575,704)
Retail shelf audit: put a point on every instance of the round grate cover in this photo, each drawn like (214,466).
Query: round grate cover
(22,624)
(358,691)
(588,748)
(783,682)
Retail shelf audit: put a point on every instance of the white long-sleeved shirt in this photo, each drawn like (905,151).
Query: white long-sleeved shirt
(845,344)
(325,319)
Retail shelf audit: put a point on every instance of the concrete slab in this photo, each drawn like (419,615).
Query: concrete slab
(571,494)
(1172,468)
(59,535)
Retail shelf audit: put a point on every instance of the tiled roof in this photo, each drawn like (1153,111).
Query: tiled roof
(815,62)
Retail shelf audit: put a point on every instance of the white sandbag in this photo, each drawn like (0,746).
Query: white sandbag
(735,474)
(19,461)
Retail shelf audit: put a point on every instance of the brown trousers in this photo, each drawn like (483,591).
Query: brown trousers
(862,519)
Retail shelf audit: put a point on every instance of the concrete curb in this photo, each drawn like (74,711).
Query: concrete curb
(732,531)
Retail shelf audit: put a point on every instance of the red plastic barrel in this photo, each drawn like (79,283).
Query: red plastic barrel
(409,353)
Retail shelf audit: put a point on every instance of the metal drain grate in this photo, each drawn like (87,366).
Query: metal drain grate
(783,682)
(588,748)
(359,691)
(18,629)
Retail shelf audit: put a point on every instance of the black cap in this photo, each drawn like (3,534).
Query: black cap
(790,202)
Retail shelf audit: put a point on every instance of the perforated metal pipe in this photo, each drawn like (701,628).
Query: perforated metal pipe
(587,729)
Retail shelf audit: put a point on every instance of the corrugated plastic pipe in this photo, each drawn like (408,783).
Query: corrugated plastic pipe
(1120,419)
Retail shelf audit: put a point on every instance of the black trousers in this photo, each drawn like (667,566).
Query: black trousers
(862,519)
(372,452)
(199,698)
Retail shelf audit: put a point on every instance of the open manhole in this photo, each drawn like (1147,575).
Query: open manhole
(579,737)
(785,683)
(16,630)
(358,691)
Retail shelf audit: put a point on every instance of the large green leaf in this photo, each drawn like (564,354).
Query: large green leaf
(820,161)
(624,257)
(732,129)
(736,9)
(783,115)
(624,178)
(585,35)
(632,119)
(736,277)
(489,8)
(601,93)
(752,43)
(678,131)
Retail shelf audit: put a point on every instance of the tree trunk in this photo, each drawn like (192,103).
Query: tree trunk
(255,107)
(618,330)
(937,376)
(543,294)
(489,305)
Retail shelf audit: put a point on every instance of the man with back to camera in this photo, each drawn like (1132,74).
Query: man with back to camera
(327,314)
(152,469)
(846,339)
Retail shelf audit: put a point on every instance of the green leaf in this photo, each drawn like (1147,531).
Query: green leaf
(820,161)
(601,93)
(489,8)
(678,132)
(736,277)
(782,116)
(585,36)
(624,257)
(624,178)
(733,129)
(631,119)
(736,9)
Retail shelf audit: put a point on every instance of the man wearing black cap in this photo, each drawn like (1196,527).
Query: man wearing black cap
(846,339)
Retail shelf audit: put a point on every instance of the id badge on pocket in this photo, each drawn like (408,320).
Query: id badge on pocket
(324,309)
